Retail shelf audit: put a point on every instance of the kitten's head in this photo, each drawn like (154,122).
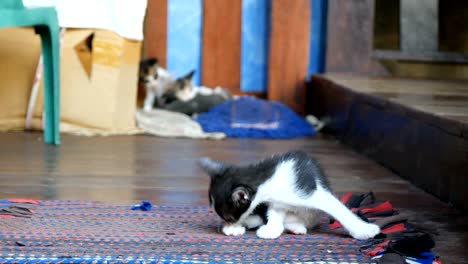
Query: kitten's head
(148,70)
(153,76)
(180,89)
(229,198)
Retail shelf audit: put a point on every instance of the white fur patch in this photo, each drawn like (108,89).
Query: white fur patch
(186,94)
(204,90)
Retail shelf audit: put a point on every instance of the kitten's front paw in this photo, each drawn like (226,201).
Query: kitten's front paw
(269,232)
(365,231)
(233,230)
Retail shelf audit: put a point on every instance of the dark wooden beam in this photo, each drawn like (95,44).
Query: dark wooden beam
(155,43)
(349,38)
(289,52)
(221,44)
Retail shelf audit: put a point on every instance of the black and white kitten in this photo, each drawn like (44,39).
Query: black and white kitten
(291,185)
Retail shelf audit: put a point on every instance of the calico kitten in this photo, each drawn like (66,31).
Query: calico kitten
(293,187)
(181,96)
(156,81)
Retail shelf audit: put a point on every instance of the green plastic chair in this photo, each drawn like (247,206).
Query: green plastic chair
(45,21)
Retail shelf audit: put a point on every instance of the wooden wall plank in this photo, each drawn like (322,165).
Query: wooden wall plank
(289,52)
(221,44)
(350,38)
(155,43)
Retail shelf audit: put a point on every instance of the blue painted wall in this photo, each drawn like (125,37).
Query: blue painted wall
(318,36)
(184,37)
(255,43)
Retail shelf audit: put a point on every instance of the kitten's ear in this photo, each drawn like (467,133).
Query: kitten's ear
(212,167)
(241,195)
(149,62)
(189,76)
(152,61)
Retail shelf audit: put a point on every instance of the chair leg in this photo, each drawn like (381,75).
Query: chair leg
(51,54)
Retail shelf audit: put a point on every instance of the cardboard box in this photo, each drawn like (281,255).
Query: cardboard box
(99,76)
(19,54)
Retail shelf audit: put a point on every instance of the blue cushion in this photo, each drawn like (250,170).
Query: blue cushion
(249,117)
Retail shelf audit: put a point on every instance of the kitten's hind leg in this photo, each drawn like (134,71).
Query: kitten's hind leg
(295,224)
(323,200)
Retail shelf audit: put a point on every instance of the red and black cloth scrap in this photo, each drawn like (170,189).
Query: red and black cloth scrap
(399,240)
(17,208)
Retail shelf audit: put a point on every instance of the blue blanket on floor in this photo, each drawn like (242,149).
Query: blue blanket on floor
(248,117)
